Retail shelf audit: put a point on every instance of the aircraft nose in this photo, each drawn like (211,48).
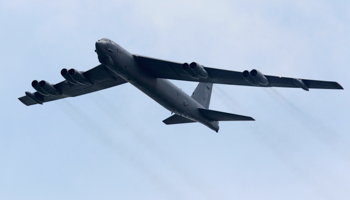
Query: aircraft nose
(99,46)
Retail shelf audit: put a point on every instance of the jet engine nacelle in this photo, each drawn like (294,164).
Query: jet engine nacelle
(36,86)
(64,73)
(259,77)
(195,70)
(74,77)
(198,70)
(255,77)
(45,88)
(188,71)
(249,78)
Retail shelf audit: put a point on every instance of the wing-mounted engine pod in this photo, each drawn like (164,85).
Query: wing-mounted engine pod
(48,88)
(78,77)
(188,71)
(249,78)
(185,66)
(259,77)
(36,86)
(69,79)
(198,70)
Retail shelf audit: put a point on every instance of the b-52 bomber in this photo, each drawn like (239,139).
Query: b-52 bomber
(150,75)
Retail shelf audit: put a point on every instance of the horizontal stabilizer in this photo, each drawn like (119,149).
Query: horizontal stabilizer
(176,119)
(213,115)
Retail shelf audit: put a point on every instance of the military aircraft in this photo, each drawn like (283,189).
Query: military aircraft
(150,75)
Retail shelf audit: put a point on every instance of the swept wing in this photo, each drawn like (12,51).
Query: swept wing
(97,78)
(173,70)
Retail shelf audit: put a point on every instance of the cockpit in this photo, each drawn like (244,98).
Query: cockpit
(106,40)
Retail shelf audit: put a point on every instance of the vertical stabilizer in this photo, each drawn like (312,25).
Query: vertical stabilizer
(202,94)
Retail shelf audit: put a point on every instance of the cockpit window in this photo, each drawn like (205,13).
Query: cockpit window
(108,40)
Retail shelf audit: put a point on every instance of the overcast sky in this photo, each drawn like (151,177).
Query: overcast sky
(112,144)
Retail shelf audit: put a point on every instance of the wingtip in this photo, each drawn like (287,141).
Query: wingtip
(30,99)
(22,101)
(339,86)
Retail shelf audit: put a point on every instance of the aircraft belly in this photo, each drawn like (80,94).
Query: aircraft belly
(162,91)
(169,96)
(175,100)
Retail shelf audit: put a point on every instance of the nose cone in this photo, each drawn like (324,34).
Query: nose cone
(103,57)
(100,44)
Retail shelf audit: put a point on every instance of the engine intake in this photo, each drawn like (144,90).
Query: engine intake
(255,77)
(69,79)
(36,86)
(198,70)
(195,70)
(249,78)
(74,77)
(188,71)
(44,88)
(78,77)
(259,77)
(48,88)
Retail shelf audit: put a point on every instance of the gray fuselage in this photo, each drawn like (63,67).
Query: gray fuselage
(123,63)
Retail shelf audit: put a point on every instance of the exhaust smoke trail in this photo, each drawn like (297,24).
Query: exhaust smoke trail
(279,143)
(314,125)
(97,131)
(222,92)
(317,129)
(279,97)
(114,115)
(229,101)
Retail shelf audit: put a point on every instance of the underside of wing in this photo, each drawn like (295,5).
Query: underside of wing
(198,73)
(76,83)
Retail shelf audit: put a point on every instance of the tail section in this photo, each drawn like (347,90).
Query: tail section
(213,115)
(202,94)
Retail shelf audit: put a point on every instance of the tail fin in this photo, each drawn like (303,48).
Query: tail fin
(202,94)
(213,115)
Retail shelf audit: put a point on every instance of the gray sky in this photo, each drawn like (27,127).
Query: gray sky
(113,145)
